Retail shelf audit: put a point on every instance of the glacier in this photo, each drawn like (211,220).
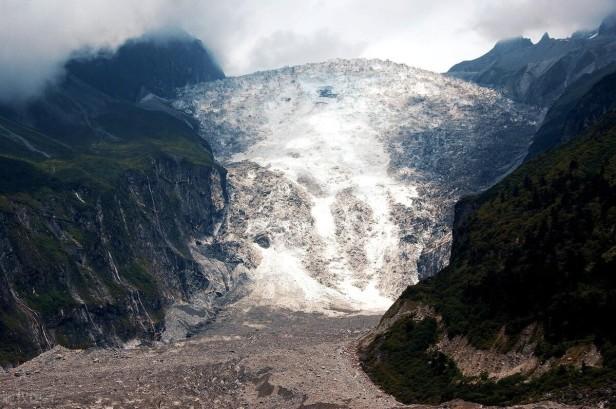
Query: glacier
(344,175)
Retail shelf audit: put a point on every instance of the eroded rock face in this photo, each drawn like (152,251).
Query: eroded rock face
(353,219)
(503,359)
(521,359)
(359,165)
(101,267)
(271,216)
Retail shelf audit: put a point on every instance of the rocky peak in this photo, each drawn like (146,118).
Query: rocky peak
(545,38)
(512,44)
(157,63)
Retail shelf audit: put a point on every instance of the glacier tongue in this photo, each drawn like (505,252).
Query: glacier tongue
(344,174)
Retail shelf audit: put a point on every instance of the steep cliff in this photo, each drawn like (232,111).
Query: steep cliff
(522,311)
(102,202)
(96,245)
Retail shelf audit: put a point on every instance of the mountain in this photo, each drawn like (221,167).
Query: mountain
(101,202)
(539,73)
(140,72)
(155,63)
(339,180)
(343,174)
(580,106)
(522,311)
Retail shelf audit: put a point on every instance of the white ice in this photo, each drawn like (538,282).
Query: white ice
(340,141)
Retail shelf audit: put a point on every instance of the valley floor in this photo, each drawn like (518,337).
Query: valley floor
(247,359)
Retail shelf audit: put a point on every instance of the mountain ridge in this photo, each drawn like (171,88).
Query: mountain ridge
(580,106)
(539,73)
(157,64)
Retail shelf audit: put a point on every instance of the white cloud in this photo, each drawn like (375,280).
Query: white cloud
(245,35)
(289,48)
(498,19)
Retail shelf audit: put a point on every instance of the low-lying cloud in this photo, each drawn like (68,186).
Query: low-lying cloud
(247,35)
(289,48)
(501,19)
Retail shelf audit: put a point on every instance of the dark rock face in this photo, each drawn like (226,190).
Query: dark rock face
(571,115)
(147,65)
(263,240)
(539,73)
(529,284)
(92,267)
(101,200)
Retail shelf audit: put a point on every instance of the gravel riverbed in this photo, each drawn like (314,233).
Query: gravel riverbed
(255,358)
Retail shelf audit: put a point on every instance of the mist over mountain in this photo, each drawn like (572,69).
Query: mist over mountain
(95,217)
(246,36)
(174,234)
(147,65)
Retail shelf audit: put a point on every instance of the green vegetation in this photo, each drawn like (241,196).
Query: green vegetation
(405,367)
(546,235)
(12,334)
(404,363)
(22,176)
(56,237)
(539,247)
(98,196)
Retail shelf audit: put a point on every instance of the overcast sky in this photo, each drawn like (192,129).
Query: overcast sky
(36,36)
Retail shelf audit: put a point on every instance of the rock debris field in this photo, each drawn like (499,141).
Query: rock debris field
(247,359)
